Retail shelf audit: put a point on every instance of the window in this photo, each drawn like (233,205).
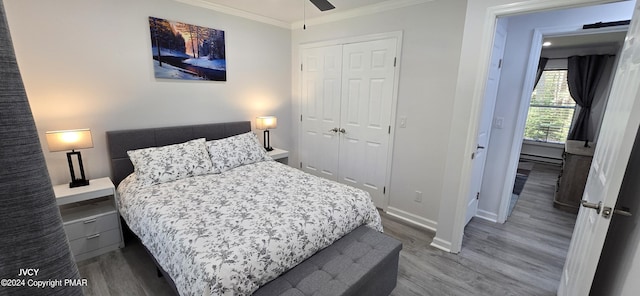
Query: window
(551,109)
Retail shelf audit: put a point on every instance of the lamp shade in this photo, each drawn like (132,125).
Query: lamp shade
(69,140)
(266,122)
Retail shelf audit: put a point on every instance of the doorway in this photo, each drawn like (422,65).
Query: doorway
(521,58)
(479,26)
(525,91)
(552,110)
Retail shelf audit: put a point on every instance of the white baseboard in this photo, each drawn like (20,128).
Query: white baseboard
(424,223)
(441,244)
(413,219)
(493,217)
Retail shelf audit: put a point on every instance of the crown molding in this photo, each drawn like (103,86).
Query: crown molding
(337,16)
(357,12)
(237,12)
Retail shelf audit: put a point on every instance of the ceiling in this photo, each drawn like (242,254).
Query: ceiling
(290,11)
(286,13)
(586,40)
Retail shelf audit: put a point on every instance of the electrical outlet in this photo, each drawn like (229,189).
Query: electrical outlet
(418,196)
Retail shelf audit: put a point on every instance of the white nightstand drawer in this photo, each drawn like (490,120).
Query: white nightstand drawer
(91,225)
(95,241)
(90,217)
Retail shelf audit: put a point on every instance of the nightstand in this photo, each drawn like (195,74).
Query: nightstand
(279,155)
(90,217)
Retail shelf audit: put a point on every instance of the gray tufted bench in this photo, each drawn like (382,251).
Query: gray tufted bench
(363,262)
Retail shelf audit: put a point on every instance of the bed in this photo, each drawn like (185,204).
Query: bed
(231,229)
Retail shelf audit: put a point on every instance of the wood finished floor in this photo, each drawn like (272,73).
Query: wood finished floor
(524,256)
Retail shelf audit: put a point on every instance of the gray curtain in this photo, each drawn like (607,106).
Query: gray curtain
(541,64)
(583,77)
(31,233)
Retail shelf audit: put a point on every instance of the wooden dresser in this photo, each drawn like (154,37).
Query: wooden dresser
(575,170)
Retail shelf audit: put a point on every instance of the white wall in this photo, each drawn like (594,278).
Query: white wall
(87,64)
(517,50)
(432,34)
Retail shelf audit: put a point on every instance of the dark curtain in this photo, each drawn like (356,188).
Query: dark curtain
(541,64)
(31,233)
(583,76)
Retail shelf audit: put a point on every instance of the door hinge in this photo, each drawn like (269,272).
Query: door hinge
(389,129)
(473,155)
(301,164)
(500,64)
(478,195)
(384,189)
(300,117)
(300,67)
(395,60)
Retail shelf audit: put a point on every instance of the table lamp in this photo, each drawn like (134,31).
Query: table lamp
(265,123)
(71,140)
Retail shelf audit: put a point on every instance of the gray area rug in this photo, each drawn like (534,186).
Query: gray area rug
(521,178)
(524,169)
(512,203)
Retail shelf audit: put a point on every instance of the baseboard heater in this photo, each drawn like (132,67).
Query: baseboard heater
(539,158)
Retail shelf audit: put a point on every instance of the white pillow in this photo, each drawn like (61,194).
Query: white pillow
(173,162)
(235,151)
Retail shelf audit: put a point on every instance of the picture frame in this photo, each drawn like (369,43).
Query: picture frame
(188,52)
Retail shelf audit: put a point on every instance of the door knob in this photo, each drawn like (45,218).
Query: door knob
(596,206)
(343,131)
(335,130)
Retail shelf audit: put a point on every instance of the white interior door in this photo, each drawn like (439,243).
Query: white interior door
(615,142)
(367,96)
(320,100)
(484,129)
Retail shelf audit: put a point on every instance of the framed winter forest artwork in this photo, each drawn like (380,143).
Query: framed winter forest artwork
(184,51)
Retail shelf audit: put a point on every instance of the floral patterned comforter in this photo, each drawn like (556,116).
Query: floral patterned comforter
(229,233)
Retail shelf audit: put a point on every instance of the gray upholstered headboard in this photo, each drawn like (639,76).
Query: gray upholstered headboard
(119,142)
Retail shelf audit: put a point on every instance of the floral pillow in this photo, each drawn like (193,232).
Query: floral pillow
(173,162)
(235,151)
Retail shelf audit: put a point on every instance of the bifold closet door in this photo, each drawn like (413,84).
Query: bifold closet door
(368,74)
(320,99)
(347,97)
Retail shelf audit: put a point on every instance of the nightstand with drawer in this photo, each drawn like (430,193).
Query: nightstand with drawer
(90,218)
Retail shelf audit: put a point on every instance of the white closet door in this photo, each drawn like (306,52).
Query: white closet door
(322,68)
(367,96)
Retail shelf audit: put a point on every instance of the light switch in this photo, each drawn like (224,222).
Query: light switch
(403,121)
(498,122)
(418,196)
